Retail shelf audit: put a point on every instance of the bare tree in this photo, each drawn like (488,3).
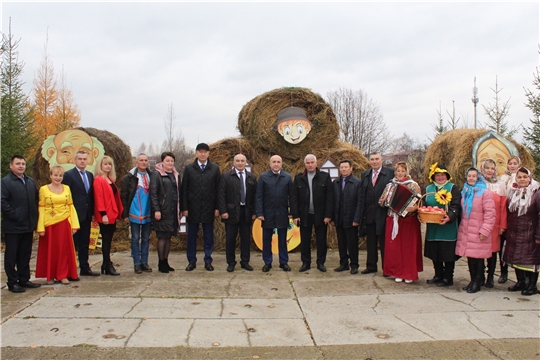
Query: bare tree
(497,112)
(360,119)
(169,128)
(453,122)
(439,127)
(175,142)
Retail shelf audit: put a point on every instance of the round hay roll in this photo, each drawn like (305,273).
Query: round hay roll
(453,149)
(222,152)
(257,118)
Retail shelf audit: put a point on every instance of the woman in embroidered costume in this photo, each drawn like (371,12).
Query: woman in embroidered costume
(440,244)
(477,221)
(57,222)
(498,188)
(403,239)
(508,178)
(107,209)
(522,250)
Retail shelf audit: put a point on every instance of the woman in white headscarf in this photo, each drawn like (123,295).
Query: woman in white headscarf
(522,250)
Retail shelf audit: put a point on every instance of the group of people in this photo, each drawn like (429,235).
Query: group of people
(489,215)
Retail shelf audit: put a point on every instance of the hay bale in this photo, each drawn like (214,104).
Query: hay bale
(258,116)
(454,150)
(112,144)
(222,152)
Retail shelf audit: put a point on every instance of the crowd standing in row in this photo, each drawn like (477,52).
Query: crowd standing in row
(489,215)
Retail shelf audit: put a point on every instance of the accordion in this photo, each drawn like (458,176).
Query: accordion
(398,198)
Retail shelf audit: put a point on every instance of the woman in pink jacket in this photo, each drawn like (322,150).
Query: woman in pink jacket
(477,221)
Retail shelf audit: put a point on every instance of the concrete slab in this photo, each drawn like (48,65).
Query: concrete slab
(278,332)
(218,332)
(261,309)
(161,333)
(504,324)
(20,332)
(177,308)
(80,307)
(497,300)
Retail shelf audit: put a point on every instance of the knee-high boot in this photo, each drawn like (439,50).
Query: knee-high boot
(491,264)
(532,288)
(521,284)
(472,271)
(478,279)
(439,273)
(448,274)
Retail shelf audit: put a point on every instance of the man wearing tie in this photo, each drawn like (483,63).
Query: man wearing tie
(80,183)
(347,216)
(374,181)
(236,203)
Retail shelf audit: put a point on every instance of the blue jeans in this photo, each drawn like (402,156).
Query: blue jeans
(208,235)
(141,232)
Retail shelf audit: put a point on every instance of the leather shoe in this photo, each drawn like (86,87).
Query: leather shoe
(247,267)
(434,280)
(266,267)
(230,268)
(503,278)
(208,267)
(137,269)
(304,267)
(89,273)
(72,279)
(29,285)
(146,268)
(321,267)
(354,270)
(285,267)
(445,283)
(191,267)
(16,288)
(368,271)
(342,268)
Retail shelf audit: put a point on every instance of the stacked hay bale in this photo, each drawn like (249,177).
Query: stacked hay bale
(454,150)
(260,141)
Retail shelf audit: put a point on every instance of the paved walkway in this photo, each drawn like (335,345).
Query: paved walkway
(279,314)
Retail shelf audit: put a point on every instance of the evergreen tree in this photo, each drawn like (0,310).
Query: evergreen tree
(532,133)
(17,121)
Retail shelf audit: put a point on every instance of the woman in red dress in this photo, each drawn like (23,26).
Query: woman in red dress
(57,222)
(403,240)
(107,209)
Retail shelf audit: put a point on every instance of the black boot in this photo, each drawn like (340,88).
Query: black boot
(439,273)
(532,289)
(521,284)
(167,265)
(472,271)
(109,269)
(162,267)
(448,274)
(504,273)
(492,263)
(478,279)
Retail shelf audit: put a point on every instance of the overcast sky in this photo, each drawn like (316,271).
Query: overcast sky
(126,62)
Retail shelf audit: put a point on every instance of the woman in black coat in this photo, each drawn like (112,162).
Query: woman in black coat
(165,200)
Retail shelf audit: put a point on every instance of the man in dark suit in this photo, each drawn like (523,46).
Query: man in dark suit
(236,203)
(347,216)
(374,181)
(80,183)
(274,196)
(19,220)
(200,185)
(314,204)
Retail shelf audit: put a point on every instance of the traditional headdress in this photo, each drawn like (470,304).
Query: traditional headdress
(435,168)
(469,191)
(520,198)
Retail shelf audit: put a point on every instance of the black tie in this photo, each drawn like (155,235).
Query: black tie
(203,166)
(242,189)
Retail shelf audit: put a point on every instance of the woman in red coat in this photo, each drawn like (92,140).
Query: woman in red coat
(107,208)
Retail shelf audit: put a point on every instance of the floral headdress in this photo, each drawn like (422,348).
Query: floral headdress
(433,169)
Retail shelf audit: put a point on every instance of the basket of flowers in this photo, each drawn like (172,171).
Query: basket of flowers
(434,214)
